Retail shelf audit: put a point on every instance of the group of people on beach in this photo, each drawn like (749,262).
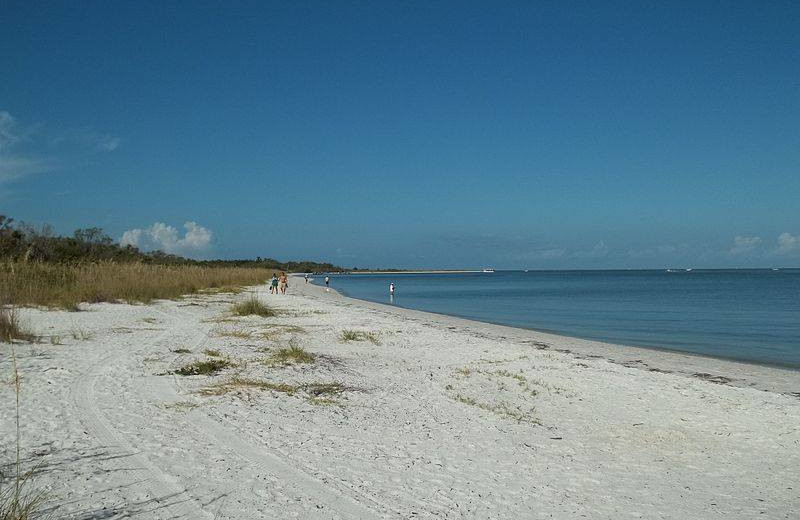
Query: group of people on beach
(279,282)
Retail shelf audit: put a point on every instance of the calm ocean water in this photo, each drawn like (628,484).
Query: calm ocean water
(750,315)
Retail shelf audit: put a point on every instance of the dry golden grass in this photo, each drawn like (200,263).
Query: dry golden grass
(19,500)
(203,367)
(315,393)
(232,332)
(275,331)
(66,286)
(252,307)
(359,335)
(11,328)
(291,355)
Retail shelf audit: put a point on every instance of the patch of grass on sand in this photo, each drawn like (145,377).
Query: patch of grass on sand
(252,307)
(276,330)
(236,383)
(182,351)
(180,406)
(291,355)
(464,371)
(80,334)
(203,367)
(19,500)
(233,332)
(11,328)
(315,393)
(501,409)
(212,352)
(359,335)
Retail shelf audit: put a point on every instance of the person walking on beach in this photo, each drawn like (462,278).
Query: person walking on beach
(306,277)
(273,287)
(327,283)
(284,283)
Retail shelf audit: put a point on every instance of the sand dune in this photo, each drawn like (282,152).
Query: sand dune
(426,417)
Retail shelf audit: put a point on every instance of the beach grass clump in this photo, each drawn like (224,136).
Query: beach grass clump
(80,334)
(238,383)
(359,335)
(501,409)
(236,331)
(276,330)
(253,307)
(182,351)
(203,367)
(19,500)
(212,352)
(66,285)
(320,393)
(12,329)
(291,355)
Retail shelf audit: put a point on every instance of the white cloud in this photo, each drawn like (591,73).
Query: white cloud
(166,238)
(14,166)
(743,245)
(88,140)
(788,244)
(8,131)
(132,237)
(25,151)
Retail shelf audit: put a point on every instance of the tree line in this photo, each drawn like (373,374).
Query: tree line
(28,244)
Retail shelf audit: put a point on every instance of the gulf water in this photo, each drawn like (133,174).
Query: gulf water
(749,315)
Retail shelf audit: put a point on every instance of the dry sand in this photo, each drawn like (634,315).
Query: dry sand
(437,418)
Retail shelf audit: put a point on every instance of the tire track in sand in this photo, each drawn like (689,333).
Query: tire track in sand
(332,496)
(162,487)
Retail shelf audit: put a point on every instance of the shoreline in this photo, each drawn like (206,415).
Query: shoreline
(744,374)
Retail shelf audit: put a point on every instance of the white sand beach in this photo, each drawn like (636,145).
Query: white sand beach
(425,417)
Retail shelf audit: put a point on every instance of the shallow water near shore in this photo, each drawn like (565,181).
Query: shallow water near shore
(750,315)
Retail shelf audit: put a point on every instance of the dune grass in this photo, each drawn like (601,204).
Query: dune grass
(316,392)
(233,332)
(253,307)
(359,335)
(19,500)
(11,328)
(203,367)
(290,355)
(67,285)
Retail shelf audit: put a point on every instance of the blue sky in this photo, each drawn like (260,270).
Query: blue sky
(435,134)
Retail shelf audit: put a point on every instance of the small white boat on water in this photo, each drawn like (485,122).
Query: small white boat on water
(488,270)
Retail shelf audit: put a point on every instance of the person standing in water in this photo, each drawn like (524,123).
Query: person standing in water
(391,289)
(327,283)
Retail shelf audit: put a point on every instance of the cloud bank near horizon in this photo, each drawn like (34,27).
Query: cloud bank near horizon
(161,236)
